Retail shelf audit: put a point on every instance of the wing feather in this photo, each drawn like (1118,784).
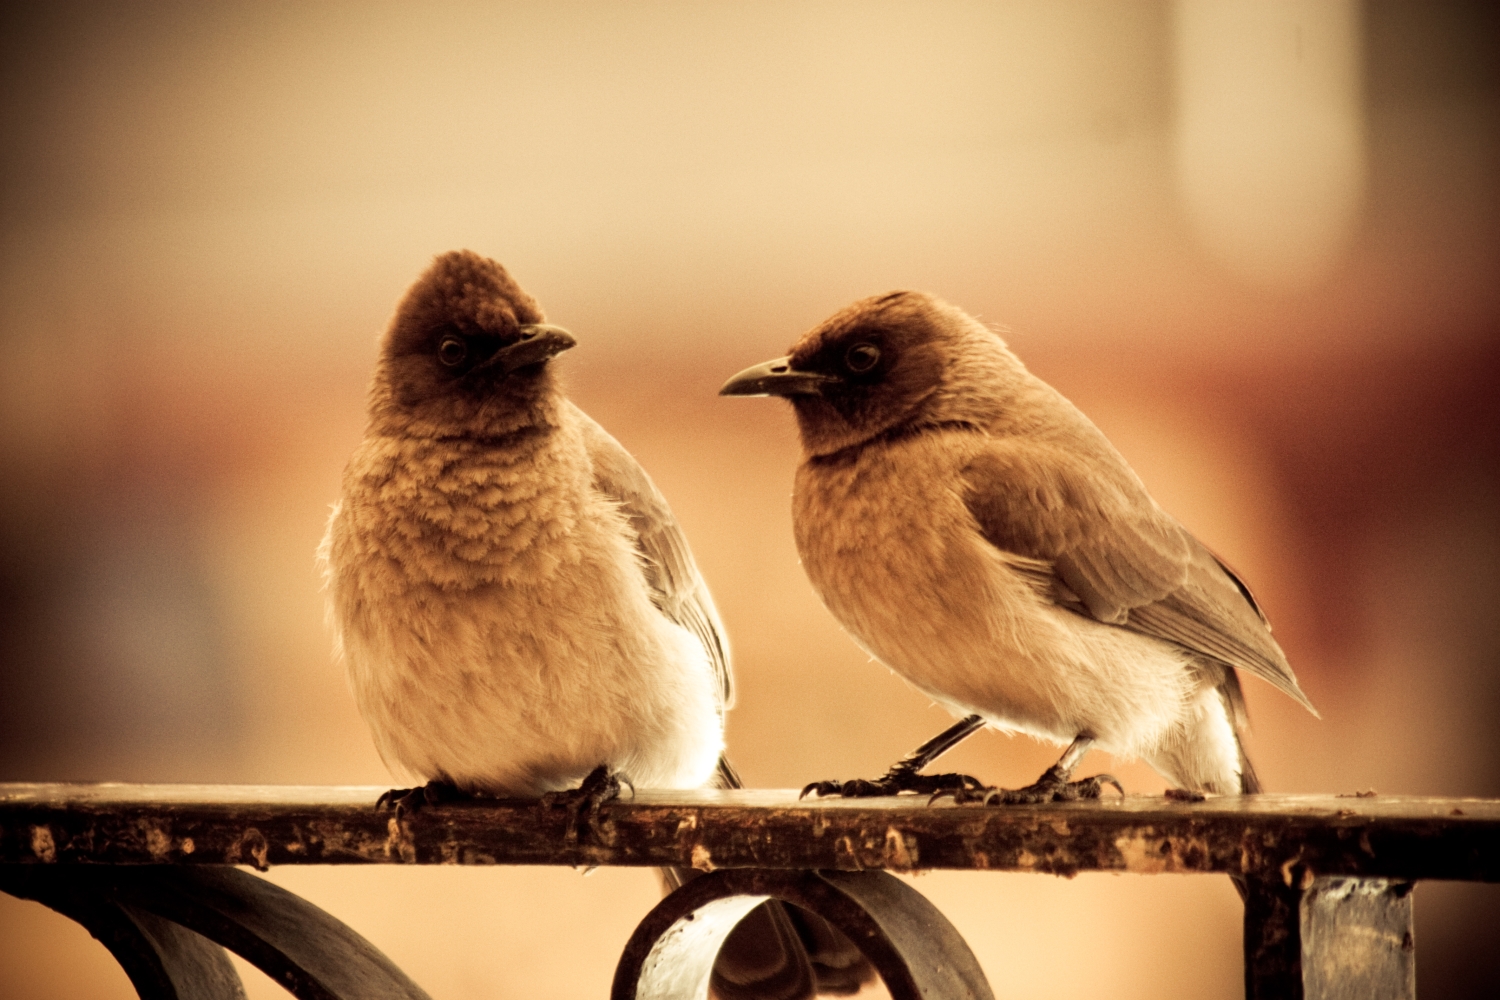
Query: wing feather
(1118,557)
(677,588)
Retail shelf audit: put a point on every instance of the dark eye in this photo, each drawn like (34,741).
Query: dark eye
(861,357)
(452,351)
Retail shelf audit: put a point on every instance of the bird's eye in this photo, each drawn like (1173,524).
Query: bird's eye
(861,357)
(452,351)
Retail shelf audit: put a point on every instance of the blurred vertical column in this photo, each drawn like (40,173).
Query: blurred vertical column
(1270,140)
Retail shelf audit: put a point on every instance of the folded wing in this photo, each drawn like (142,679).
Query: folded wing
(1114,555)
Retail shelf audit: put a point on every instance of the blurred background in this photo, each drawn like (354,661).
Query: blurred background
(1258,242)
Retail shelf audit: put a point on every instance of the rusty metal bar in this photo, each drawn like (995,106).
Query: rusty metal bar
(1327,879)
(1261,835)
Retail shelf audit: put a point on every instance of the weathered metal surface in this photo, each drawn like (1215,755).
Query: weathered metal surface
(309,953)
(164,961)
(917,952)
(1329,939)
(1357,940)
(1284,837)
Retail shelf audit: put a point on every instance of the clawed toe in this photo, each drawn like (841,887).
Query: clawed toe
(584,802)
(396,797)
(894,782)
(1050,787)
(1088,788)
(408,800)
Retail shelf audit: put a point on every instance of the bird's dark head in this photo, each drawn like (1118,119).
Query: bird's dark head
(467,352)
(905,358)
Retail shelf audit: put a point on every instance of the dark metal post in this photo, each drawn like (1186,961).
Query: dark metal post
(1329,938)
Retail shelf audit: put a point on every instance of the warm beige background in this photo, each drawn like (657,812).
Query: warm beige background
(1257,242)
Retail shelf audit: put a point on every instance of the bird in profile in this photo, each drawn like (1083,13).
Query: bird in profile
(972,530)
(517,608)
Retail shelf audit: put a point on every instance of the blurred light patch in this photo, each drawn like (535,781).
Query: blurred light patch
(1270,139)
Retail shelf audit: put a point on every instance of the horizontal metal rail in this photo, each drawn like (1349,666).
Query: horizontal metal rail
(1326,879)
(1292,837)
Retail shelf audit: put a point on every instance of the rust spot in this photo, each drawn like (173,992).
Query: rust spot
(1139,854)
(1288,869)
(399,842)
(252,843)
(900,850)
(158,842)
(42,844)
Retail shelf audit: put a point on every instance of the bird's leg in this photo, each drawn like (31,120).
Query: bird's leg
(1052,786)
(602,785)
(409,800)
(904,775)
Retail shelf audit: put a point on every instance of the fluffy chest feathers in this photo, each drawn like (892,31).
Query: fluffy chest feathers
(496,626)
(462,514)
(887,541)
(892,549)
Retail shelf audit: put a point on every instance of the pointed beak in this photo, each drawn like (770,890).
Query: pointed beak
(539,342)
(776,378)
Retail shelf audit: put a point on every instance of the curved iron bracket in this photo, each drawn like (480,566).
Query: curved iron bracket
(918,953)
(164,925)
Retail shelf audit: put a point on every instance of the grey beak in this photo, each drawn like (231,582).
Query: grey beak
(776,378)
(538,343)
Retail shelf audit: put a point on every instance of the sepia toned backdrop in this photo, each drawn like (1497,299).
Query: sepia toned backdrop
(1256,241)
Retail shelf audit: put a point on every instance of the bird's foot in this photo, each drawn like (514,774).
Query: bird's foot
(895,781)
(1052,786)
(409,800)
(584,802)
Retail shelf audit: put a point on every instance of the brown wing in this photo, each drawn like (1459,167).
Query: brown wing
(1118,557)
(677,588)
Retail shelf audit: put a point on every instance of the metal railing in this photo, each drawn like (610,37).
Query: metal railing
(150,871)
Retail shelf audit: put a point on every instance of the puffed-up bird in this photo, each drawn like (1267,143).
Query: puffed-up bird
(517,608)
(972,530)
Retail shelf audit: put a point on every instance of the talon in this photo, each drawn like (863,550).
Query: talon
(822,788)
(895,781)
(410,800)
(596,790)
